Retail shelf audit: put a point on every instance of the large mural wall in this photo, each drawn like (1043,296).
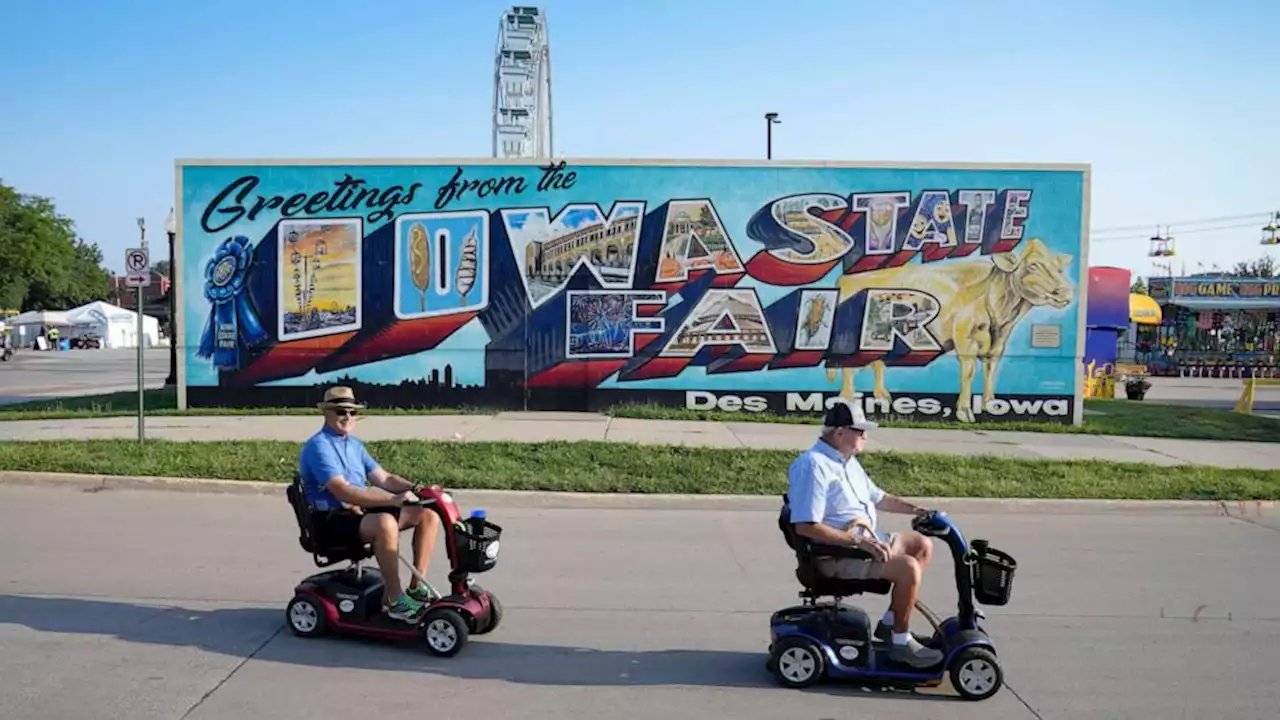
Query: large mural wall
(940,293)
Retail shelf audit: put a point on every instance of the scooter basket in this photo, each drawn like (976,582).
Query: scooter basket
(992,575)
(477,553)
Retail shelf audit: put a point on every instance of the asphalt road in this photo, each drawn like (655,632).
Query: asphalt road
(34,375)
(148,604)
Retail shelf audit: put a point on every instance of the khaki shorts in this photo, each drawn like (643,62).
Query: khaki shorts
(856,568)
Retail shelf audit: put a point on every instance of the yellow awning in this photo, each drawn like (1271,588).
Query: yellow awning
(1143,310)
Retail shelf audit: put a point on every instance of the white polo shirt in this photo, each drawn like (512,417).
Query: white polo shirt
(824,487)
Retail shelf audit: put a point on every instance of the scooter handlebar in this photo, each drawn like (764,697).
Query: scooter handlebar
(934,522)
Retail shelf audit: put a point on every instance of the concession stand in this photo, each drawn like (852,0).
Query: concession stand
(1212,326)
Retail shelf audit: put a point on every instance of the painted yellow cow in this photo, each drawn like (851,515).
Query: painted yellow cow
(981,302)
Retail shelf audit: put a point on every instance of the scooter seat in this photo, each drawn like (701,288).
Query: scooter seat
(818,585)
(815,584)
(831,587)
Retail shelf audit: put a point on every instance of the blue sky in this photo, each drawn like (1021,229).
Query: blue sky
(1174,102)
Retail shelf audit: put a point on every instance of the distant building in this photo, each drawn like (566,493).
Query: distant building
(155,299)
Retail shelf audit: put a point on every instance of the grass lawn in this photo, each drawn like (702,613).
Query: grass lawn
(627,468)
(1102,417)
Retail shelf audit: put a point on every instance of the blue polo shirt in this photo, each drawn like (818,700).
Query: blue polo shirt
(823,487)
(327,454)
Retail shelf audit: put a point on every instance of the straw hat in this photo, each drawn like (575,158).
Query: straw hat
(339,397)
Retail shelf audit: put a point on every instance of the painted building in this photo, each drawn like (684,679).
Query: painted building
(941,292)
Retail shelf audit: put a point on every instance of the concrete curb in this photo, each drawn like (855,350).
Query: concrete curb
(637,501)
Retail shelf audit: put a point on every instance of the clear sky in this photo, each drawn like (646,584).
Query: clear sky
(1175,103)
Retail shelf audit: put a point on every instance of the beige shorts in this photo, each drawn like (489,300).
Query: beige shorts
(856,568)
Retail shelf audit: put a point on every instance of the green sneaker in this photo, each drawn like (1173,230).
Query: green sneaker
(404,608)
(423,594)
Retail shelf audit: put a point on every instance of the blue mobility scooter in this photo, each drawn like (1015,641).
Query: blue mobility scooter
(814,641)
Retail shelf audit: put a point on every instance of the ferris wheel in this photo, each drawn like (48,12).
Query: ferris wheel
(522,86)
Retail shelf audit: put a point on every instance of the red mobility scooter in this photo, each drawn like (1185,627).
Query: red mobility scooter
(349,600)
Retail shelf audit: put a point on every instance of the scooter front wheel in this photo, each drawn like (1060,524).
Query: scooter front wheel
(495,614)
(444,631)
(976,673)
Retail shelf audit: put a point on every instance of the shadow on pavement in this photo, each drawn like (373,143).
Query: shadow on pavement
(241,632)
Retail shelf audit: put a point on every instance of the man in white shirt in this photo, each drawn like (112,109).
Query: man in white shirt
(833,501)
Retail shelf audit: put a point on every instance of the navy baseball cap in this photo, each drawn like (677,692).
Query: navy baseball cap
(843,413)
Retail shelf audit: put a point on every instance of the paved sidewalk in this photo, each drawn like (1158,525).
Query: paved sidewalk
(541,427)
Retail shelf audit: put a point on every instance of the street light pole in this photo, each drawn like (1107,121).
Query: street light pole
(770,119)
(171,229)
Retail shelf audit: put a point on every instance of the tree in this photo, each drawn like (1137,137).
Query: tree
(1139,286)
(1264,267)
(43,264)
(86,281)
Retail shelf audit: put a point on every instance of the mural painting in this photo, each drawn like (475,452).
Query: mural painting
(949,293)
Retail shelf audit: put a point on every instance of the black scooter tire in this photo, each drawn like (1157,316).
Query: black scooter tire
(305,617)
(440,623)
(983,661)
(803,650)
(495,614)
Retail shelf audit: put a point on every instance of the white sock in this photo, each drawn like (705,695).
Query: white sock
(901,638)
(888,619)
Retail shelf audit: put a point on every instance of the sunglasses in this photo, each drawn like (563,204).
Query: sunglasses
(346,413)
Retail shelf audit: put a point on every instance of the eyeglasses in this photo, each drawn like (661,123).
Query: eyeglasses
(346,413)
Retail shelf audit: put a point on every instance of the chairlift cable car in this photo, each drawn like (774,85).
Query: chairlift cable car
(1161,245)
(1271,232)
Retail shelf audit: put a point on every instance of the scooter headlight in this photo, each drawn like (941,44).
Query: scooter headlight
(491,552)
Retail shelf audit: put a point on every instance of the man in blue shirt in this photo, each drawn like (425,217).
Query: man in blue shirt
(337,472)
(833,501)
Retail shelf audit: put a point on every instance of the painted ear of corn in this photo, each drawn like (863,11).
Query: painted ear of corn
(420,261)
(465,278)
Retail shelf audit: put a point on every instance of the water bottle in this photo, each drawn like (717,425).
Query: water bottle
(476,523)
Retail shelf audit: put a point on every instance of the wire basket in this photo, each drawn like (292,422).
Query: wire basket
(992,574)
(477,547)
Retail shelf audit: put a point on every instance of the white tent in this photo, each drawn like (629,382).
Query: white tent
(26,327)
(116,326)
(51,318)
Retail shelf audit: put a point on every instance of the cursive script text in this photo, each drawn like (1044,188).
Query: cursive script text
(232,203)
(553,177)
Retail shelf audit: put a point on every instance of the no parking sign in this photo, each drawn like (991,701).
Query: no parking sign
(137,268)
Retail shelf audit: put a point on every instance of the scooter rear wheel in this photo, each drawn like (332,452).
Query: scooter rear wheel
(305,617)
(797,662)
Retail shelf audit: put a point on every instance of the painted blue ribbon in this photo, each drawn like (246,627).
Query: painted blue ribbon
(232,319)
